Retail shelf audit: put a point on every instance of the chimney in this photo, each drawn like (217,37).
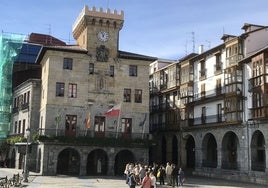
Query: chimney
(201,49)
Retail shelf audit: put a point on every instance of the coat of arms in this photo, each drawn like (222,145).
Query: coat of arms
(102,53)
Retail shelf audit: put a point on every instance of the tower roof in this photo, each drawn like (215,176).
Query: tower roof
(93,15)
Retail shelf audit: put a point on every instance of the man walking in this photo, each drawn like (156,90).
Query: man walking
(168,173)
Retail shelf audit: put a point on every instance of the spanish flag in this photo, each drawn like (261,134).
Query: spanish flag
(114,111)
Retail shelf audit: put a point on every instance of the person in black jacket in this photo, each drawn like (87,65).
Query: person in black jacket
(174,175)
(162,174)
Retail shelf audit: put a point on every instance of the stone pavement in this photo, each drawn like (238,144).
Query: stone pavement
(61,181)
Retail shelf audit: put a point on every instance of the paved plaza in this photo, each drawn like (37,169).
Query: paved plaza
(61,181)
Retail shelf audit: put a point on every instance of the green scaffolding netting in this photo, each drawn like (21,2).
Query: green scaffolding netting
(10,46)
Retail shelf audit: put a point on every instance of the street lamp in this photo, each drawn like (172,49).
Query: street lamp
(26,172)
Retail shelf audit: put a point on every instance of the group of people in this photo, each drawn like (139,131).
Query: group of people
(146,176)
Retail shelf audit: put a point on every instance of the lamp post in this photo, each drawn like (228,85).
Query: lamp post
(26,172)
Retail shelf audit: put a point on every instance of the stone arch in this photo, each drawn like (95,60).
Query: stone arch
(190,151)
(68,162)
(121,159)
(175,152)
(230,146)
(257,146)
(97,162)
(209,151)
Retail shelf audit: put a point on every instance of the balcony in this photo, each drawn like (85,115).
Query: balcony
(87,137)
(218,68)
(209,94)
(233,60)
(203,74)
(24,106)
(218,118)
(93,134)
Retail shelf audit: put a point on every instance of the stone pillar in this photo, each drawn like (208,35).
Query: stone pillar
(245,154)
(266,154)
(83,168)
(169,149)
(198,156)
(110,165)
(219,157)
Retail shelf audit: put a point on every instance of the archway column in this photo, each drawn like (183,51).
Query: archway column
(169,149)
(198,156)
(266,156)
(83,168)
(110,164)
(219,157)
(244,155)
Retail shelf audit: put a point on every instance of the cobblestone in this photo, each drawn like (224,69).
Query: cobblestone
(60,181)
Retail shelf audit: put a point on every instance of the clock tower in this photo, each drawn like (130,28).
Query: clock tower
(98,32)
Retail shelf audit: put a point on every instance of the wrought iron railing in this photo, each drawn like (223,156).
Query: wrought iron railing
(93,134)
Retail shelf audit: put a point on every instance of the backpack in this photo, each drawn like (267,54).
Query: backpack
(131,180)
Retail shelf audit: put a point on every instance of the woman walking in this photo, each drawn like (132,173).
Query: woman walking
(146,181)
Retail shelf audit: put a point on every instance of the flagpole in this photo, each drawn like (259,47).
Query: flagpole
(118,121)
(143,126)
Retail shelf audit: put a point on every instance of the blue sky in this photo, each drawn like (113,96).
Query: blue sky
(159,28)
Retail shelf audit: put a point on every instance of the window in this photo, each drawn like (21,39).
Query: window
(203,91)
(70,124)
(67,63)
(16,127)
(138,96)
(99,123)
(91,68)
(126,125)
(218,86)
(24,98)
(28,96)
(202,68)
(23,126)
(219,112)
(72,90)
(127,95)
(60,89)
(218,65)
(19,128)
(133,70)
(111,70)
(203,115)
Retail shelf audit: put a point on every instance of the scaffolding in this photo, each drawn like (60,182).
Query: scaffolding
(10,46)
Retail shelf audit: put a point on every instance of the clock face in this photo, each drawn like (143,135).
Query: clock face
(103,36)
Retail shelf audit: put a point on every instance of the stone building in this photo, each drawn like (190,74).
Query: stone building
(94,102)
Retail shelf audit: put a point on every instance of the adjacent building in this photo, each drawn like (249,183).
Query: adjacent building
(221,126)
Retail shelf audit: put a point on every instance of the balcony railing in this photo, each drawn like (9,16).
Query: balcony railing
(218,118)
(22,107)
(209,94)
(93,134)
(203,74)
(233,60)
(218,68)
